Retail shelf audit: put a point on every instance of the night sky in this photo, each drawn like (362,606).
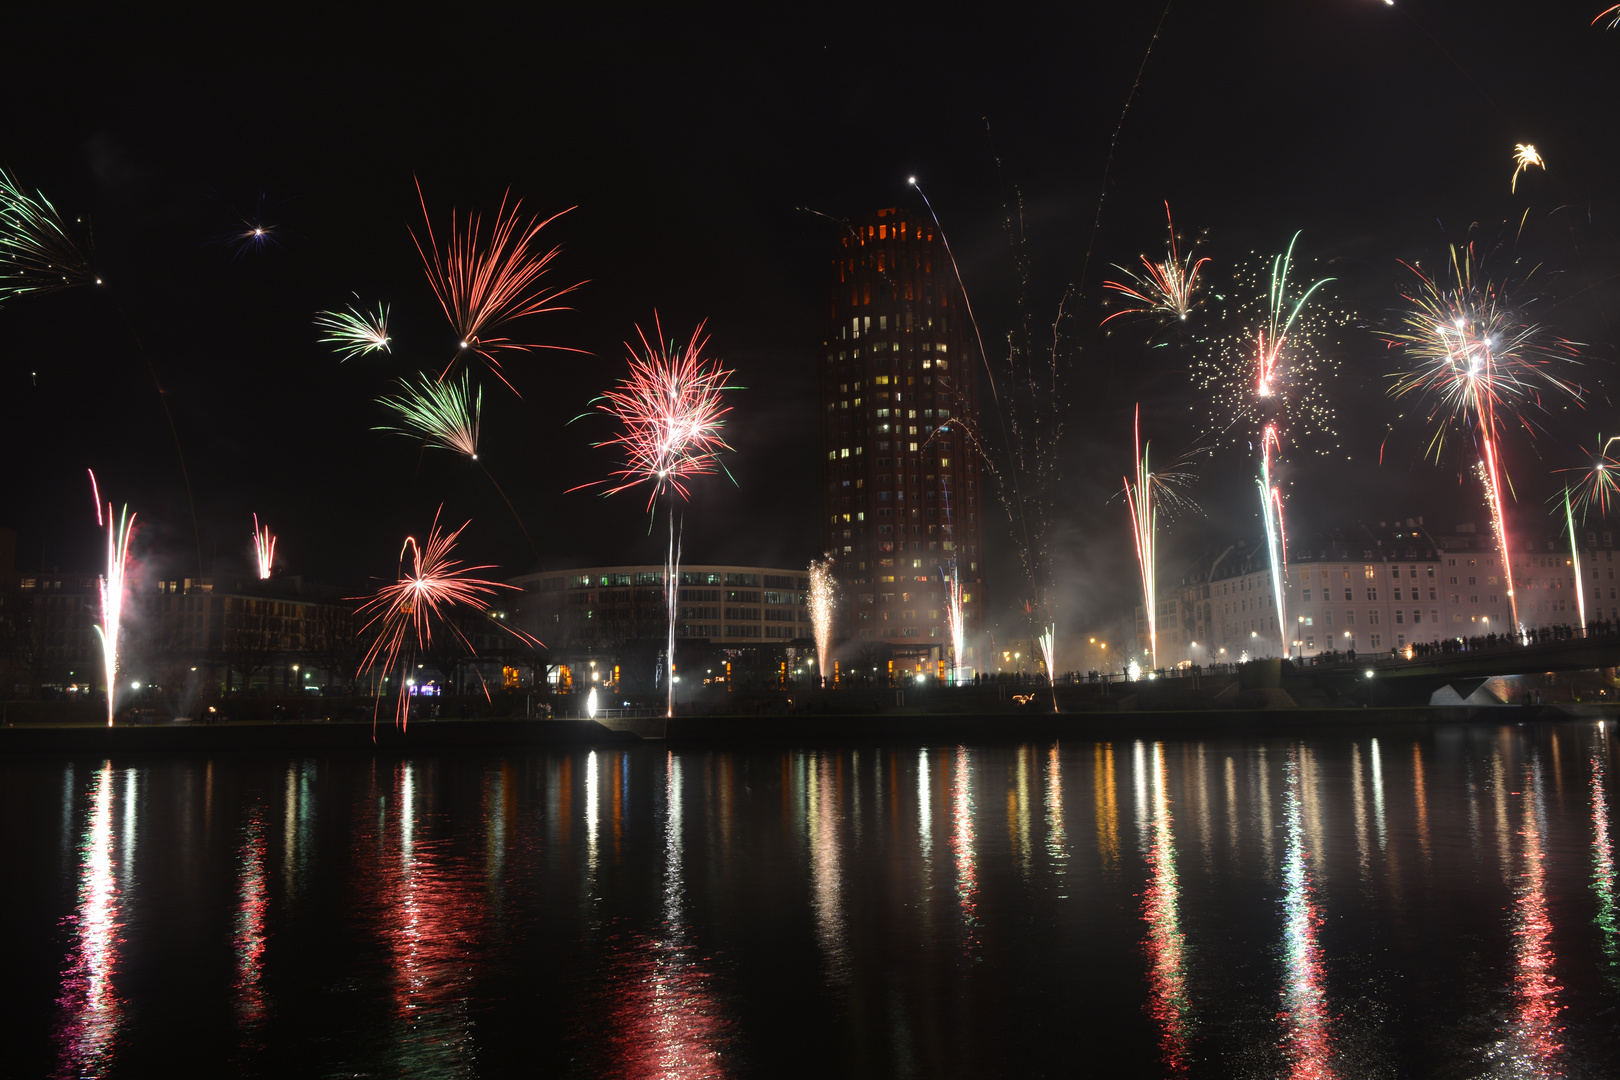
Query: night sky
(692,146)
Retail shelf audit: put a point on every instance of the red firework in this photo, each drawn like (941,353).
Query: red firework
(407,612)
(669,406)
(484,282)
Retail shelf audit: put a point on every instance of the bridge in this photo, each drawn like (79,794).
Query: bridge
(1391,680)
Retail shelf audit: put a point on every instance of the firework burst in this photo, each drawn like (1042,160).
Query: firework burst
(1524,156)
(823,597)
(670,412)
(1473,354)
(1264,356)
(486,280)
(1479,362)
(354,332)
(407,613)
(1612,14)
(444,413)
(1599,480)
(1164,289)
(264,547)
(37,253)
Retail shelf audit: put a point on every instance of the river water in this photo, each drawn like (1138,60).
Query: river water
(1427,902)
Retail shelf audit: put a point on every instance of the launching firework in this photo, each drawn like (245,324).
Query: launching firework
(1143,497)
(264,545)
(37,254)
(1599,481)
(953,617)
(823,595)
(407,613)
(112,595)
(1271,513)
(1478,361)
(1524,156)
(670,413)
(1575,560)
(1283,311)
(1048,643)
(1164,289)
(444,413)
(354,333)
(484,282)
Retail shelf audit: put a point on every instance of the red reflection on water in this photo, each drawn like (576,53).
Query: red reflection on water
(664,1017)
(1166,944)
(1535,1040)
(962,841)
(91,1009)
(248,939)
(432,913)
(1306,1018)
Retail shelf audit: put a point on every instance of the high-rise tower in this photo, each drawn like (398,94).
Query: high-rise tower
(901,487)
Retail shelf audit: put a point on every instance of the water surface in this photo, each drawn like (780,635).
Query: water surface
(1400,902)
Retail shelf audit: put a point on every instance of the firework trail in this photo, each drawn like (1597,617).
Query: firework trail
(1478,361)
(484,282)
(1271,512)
(1144,495)
(264,546)
(1030,419)
(1271,394)
(1599,481)
(112,593)
(1139,500)
(1614,12)
(37,253)
(1164,289)
(953,617)
(445,414)
(1113,145)
(1524,156)
(670,414)
(823,597)
(1575,560)
(407,613)
(353,332)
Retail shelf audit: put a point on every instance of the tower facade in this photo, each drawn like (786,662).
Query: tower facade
(901,487)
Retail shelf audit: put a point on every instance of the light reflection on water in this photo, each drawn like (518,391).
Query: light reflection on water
(1308,908)
(90,1007)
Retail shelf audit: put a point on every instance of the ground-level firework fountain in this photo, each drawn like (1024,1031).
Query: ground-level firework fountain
(112,597)
(822,599)
(264,547)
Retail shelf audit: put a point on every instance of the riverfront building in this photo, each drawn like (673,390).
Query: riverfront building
(613,620)
(901,487)
(1379,588)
